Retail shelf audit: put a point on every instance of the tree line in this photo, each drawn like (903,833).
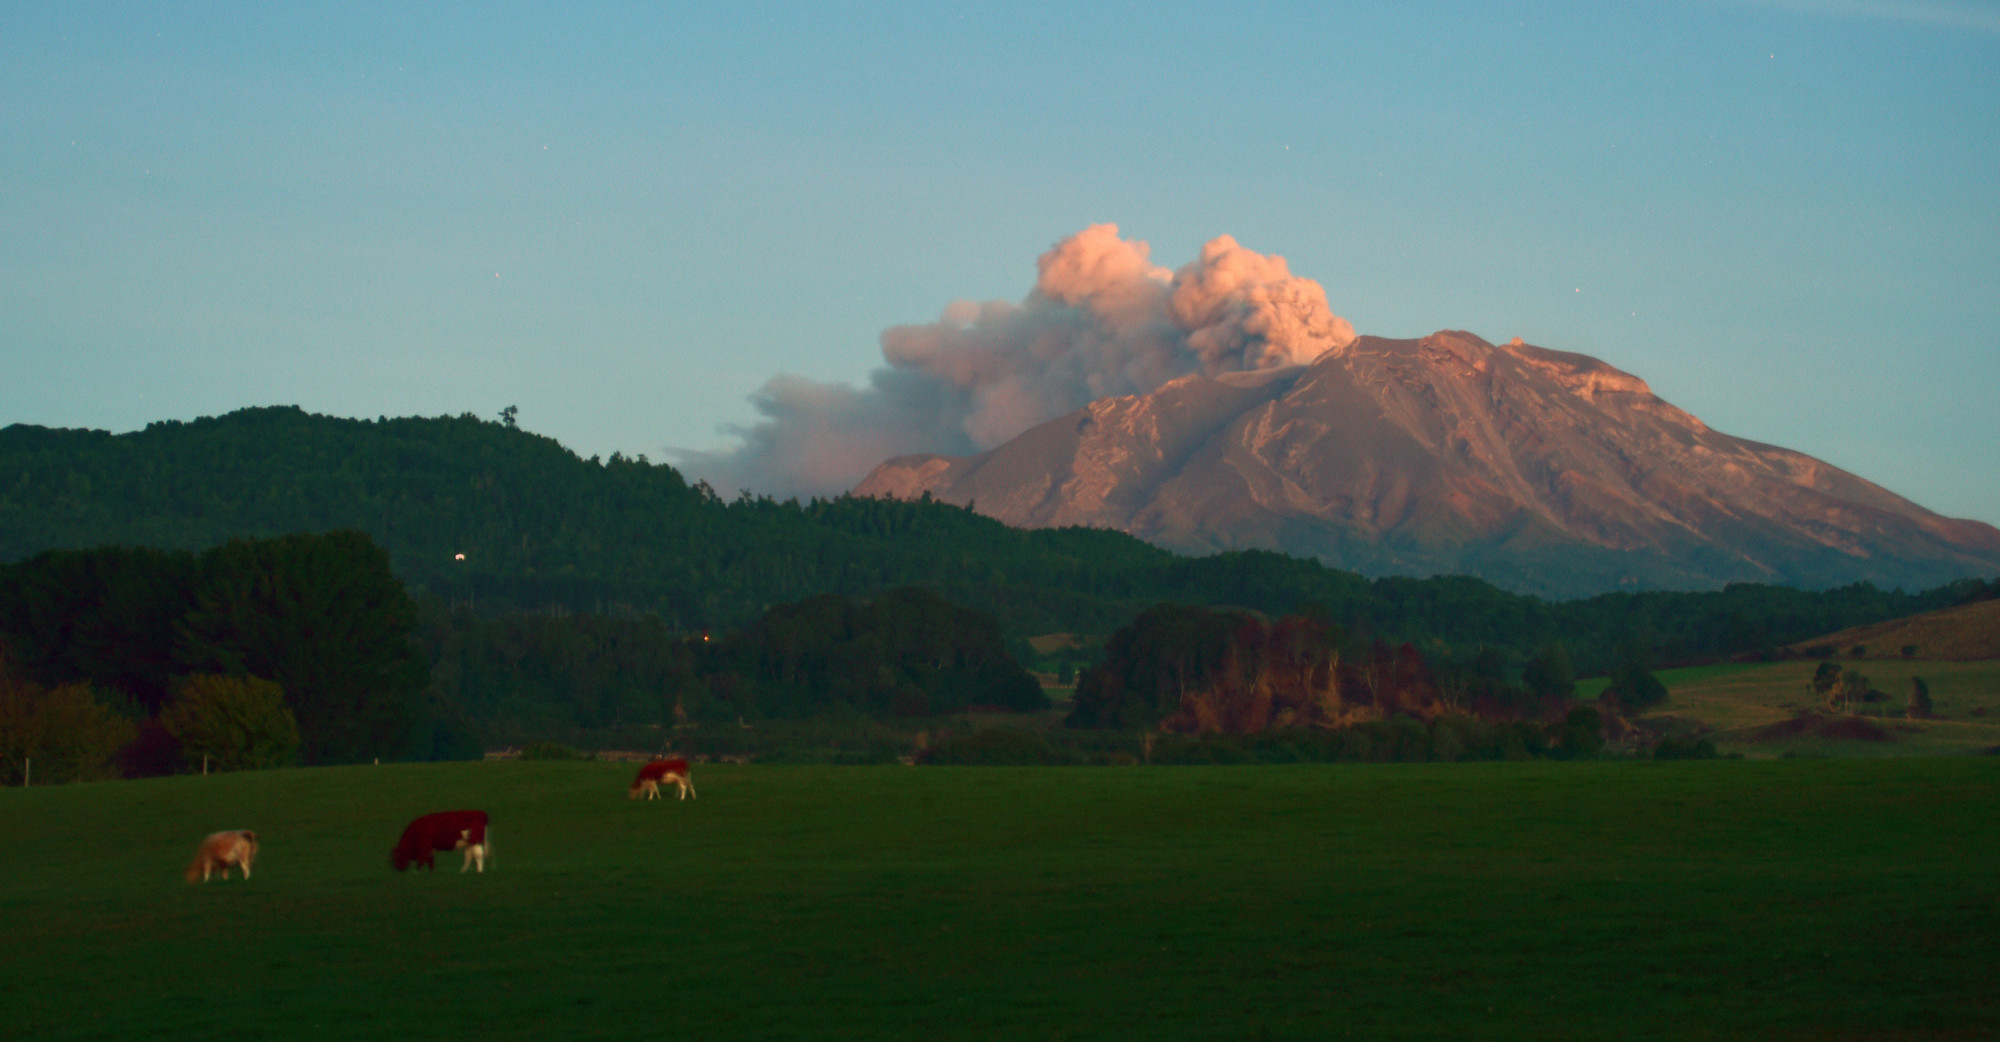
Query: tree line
(1301,687)
(487,515)
(906,653)
(248,653)
(306,648)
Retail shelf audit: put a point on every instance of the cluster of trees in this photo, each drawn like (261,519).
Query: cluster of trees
(541,529)
(248,654)
(908,652)
(50,736)
(1840,689)
(1194,670)
(70,732)
(307,648)
(1236,687)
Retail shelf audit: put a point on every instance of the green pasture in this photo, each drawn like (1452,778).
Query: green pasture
(1732,701)
(1787,899)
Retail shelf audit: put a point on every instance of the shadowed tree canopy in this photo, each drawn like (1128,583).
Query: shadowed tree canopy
(231,723)
(60,734)
(323,617)
(108,616)
(1197,671)
(320,615)
(908,652)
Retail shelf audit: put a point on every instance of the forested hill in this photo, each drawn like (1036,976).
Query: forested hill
(537,525)
(540,527)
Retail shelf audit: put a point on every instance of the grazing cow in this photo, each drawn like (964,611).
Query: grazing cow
(446,830)
(219,851)
(653,774)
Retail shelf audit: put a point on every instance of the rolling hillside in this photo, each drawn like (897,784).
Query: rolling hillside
(1964,632)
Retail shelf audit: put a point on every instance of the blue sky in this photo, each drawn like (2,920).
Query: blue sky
(626,218)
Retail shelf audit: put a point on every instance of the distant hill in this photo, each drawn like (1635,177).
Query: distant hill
(1541,471)
(537,526)
(1964,632)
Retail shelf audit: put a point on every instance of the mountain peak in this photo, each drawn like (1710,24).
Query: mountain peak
(1541,470)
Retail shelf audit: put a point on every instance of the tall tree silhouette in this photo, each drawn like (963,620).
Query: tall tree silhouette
(322,616)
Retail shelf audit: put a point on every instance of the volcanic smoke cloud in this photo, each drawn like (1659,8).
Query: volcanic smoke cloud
(1101,321)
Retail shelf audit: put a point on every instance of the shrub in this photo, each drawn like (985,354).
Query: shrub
(1634,687)
(1582,733)
(64,731)
(1684,749)
(231,723)
(1919,706)
(1549,675)
(993,747)
(554,751)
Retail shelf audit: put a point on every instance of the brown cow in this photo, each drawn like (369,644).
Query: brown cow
(446,830)
(221,850)
(651,776)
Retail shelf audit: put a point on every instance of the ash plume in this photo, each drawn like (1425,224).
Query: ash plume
(1102,320)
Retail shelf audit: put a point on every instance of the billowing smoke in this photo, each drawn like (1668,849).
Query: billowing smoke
(1102,320)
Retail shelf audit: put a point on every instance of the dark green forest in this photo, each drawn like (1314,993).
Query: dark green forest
(542,530)
(364,672)
(320,616)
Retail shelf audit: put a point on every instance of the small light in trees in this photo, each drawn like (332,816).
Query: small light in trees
(458,557)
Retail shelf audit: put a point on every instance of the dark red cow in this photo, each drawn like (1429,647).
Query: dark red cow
(659,772)
(446,830)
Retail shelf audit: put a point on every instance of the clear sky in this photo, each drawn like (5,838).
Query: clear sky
(626,218)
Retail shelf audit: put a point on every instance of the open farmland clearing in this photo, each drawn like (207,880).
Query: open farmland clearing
(1735,701)
(1710,899)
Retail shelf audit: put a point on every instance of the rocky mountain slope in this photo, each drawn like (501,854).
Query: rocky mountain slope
(1542,471)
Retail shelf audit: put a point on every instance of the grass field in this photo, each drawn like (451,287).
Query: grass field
(1803,899)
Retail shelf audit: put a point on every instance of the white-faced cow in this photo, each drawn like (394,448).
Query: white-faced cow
(659,772)
(446,830)
(222,850)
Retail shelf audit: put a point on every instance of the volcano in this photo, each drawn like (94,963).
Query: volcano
(1540,471)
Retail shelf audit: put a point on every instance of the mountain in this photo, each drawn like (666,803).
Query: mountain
(1540,471)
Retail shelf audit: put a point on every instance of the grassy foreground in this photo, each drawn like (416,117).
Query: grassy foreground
(1712,899)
